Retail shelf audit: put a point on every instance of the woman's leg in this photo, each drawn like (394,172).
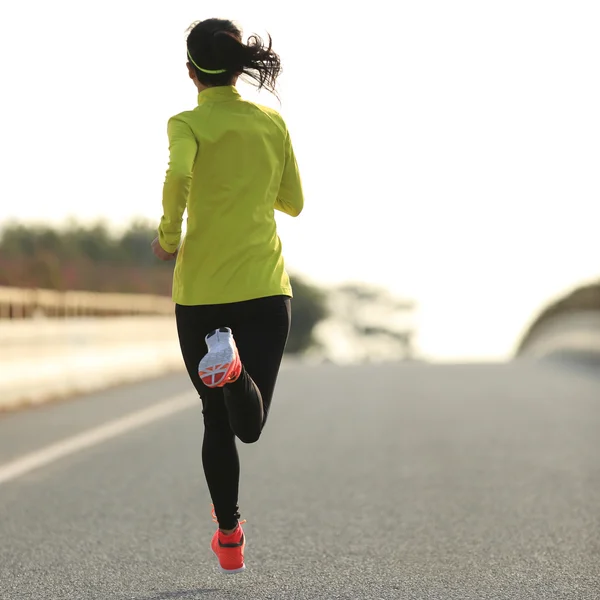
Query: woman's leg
(260,329)
(219,453)
(220,461)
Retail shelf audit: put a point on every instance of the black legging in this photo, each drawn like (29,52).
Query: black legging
(260,328)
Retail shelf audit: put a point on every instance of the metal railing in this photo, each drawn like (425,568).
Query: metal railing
(18,303)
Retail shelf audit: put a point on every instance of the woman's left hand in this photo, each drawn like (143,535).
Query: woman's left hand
(162,254)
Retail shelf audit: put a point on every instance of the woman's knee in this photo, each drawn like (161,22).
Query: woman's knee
(249,437)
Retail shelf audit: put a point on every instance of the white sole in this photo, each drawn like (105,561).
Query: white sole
(216,364)
(227,571)
(235,572)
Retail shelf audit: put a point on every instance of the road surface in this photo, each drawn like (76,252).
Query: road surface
(386,482)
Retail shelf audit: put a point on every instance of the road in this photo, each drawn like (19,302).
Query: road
(408,481)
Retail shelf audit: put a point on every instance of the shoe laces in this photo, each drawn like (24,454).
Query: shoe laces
(214,516)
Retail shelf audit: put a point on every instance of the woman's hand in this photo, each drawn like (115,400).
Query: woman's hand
(162,254)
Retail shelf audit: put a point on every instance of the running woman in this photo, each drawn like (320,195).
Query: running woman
(231,165)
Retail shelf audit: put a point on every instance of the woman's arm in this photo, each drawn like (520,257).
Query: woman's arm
(290,199)
(183,148)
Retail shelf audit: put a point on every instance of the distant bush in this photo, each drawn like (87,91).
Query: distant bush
(582,299)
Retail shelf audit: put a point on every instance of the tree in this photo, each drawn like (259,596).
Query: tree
(309,309)
(368,323)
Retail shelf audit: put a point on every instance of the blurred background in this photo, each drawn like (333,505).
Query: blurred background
(418,446)
(449,153)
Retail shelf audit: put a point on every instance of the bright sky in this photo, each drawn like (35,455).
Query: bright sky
(449,150)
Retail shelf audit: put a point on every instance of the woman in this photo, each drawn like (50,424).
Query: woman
(231,165)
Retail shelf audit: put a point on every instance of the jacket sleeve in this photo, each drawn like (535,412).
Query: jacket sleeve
(183,148)
(290,198)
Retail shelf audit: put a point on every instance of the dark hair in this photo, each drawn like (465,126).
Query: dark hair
(216,44)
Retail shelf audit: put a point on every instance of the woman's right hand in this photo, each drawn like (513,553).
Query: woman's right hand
(160,253)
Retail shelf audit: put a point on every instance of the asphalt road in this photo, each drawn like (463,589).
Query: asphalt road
(379,482)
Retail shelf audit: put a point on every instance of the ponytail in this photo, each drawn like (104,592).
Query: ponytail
(216,50)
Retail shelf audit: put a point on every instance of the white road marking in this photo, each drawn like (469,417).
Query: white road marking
(95,436)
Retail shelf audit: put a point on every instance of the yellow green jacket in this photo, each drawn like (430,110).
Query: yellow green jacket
(231,166)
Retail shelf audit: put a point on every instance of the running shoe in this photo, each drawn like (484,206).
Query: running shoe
(229,549)
(222,364)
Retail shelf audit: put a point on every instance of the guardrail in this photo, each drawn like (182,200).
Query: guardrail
(42,359)
(18,303)
(575,333)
